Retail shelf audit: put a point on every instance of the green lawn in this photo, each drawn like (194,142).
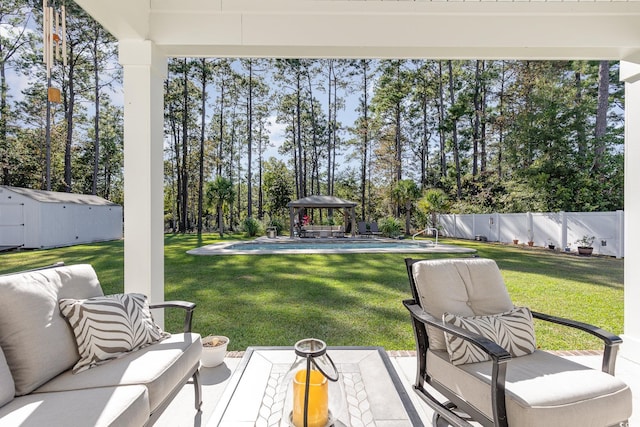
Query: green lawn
(351,299)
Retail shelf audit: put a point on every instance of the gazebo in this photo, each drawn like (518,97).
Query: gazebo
(320,202)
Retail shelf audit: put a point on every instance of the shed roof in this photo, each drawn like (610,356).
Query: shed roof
(58,197)
(321,202)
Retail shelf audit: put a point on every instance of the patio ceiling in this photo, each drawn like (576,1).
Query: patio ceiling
(378,29)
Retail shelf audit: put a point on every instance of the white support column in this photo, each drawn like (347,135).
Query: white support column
(145,68)
(630,74)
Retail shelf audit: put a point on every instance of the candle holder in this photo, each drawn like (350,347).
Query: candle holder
(313,396)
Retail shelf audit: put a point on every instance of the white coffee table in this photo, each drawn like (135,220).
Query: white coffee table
(374,393)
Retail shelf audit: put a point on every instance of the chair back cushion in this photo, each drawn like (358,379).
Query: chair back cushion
(37,340)
(7,387)
(465,287)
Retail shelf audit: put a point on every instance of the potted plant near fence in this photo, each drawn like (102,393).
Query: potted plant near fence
(530,235)
(585,245)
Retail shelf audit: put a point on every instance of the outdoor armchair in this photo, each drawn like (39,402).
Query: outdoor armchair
(478,350)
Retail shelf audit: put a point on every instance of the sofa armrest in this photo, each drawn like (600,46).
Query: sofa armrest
(611,341)
(185,305)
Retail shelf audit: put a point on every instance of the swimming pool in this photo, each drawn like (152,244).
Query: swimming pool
(285,245)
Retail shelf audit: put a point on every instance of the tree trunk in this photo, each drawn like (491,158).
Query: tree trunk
(501,119)
(454,125)
(4,111)
(483,125)
(330,133)
(365,138)
(580,125)
(315,166)
(249,140)
(220,221)
(96,118)
(443,153)
(185,136)
(476,120)
(69,113)
(424,147)
(176,154)
(601,115)
(221,128)
(203,115)
(301,166)
(260,166)
(398,136)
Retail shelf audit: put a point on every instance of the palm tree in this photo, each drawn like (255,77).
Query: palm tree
(435,201)
(405,192)
(220,193)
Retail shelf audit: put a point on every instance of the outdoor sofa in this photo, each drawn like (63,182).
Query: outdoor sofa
(322,231)
(39,353)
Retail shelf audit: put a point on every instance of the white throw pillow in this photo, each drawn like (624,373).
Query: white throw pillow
(110,326)
(512,330)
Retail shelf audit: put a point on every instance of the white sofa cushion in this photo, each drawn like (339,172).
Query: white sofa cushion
(31,326)
(7,387)
(465,287)
(512,330)
(159,367)
(109,326)
(542,390)
(99,407)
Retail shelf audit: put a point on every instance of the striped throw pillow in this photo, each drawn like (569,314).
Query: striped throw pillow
(108,327)
(512,330)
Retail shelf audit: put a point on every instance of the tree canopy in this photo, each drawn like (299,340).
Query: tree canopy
(489,136)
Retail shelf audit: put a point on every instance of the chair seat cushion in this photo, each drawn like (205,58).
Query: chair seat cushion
(542,390)
(159,367)
(101,407)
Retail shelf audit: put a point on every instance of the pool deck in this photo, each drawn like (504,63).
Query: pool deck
(230,248)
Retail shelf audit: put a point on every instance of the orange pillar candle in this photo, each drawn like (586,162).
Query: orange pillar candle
(318,409)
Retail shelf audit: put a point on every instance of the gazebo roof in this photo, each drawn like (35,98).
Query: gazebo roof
(321,202)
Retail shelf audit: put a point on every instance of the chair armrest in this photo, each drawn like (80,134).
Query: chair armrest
(185,305)
(611,341)
(495,351)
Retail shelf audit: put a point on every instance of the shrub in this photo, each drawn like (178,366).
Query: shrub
(277,223)
(390,227)
(251,226)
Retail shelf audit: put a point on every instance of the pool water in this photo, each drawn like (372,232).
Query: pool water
(259,246)
(263,246)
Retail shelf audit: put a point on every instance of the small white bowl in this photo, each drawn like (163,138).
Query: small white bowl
(213,356)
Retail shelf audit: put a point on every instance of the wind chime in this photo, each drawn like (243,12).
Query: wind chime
(54,40)
(55,43)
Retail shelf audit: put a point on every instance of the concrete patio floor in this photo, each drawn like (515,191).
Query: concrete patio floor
(181,412)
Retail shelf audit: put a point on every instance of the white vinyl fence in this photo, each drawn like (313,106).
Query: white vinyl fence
(562,229)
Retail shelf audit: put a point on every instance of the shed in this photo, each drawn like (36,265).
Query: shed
(47,219)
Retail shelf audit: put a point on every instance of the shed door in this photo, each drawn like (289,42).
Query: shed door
(11,224)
